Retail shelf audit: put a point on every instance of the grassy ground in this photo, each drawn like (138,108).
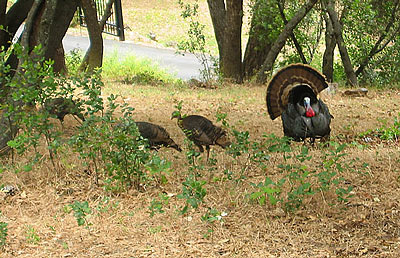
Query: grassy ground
(40,224)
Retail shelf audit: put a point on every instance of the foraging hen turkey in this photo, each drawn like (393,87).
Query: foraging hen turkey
(61,107)
(202,131)
(156,135)
(292,94)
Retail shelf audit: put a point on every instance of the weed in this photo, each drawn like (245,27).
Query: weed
(3,234)
(156,206)
(385,132)
(32,236)
(193,192)
(82,211)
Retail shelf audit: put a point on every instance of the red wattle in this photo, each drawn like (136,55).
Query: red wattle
(310,112)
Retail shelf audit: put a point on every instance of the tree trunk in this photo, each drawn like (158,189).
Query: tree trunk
(54,18)
(218,13)
(13,20)
(330,45)
(257,47)
(281,40)
(232,55)
(3,6)
(94,55)
(337,30)
(227,22)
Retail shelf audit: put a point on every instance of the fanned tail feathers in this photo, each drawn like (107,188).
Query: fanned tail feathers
(288,78)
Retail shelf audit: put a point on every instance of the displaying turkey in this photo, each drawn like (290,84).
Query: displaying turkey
(60,107)
(156,135)
(292,94)
(202,131)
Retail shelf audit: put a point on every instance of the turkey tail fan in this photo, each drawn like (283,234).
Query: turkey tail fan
(288,78)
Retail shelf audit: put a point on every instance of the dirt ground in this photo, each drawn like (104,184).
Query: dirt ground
(367,226)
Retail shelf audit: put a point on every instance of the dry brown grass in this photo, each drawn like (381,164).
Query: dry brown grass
(367,226)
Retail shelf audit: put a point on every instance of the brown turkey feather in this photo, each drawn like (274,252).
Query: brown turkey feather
(285,80)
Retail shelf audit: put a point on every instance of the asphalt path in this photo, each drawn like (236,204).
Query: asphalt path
(184,67)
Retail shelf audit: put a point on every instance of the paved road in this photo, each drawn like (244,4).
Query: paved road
(184,67)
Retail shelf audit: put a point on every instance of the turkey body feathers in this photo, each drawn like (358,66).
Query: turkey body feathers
(156,135)
(292,94)
(61,107)
(298,126)
(202,132)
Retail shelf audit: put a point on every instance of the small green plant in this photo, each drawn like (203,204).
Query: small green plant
(3,234)
(113,146)
(156,205)
(212,215)
(193,192)
(32,236)
(82,211)
(73,60)
(105,205)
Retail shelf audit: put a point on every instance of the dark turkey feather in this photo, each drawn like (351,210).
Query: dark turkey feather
(202,132)
(292,94)
(60,107)
(156,135)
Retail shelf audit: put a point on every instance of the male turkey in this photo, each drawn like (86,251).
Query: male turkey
(292,94)
(60,107)
(202,131)
(156,135)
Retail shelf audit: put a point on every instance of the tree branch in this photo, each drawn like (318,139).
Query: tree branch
(281,40)
(292,36)
(375,49)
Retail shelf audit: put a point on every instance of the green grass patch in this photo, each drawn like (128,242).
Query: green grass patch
(128,69)
(131,69)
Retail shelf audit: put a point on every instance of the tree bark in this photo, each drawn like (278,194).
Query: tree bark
(337,30)
(3,27)
(232,55)
(330,45)
(13,20)
(94,55)
(281,40)
(218,13)
(257,47)
(227,23)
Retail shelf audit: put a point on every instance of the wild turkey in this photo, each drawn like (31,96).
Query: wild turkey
(292,93)
(202,131)
(60,107)
(156,135)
